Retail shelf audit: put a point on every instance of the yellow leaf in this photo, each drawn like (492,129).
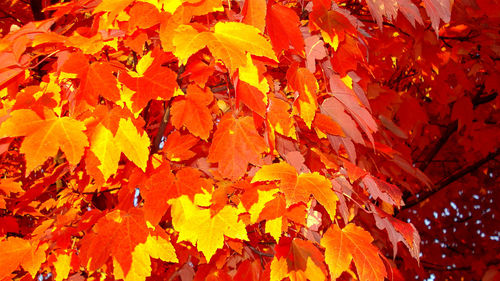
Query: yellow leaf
(234,39)
(134,145)
(250,74)
(229,42)
(275,227)
(105,149)
(298,188)
(197,226)
(62,266)
(188,41)
(279,269)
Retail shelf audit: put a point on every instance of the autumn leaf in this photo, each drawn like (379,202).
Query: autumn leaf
(45,136)
(298,188)
(178,147)
(156,82)
(254,13)
(399,231)
(133,143)
(62,266)
(115,235)
(156,247)
(108,148)
(201,229)
(315,50)
(303,81)
(96,79)
(283,28)
(16,251)
(229,42)
(352,243)
(299,260)
(192,112)
(235,144)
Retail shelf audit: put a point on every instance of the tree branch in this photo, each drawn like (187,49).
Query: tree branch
(36,9)
(452,127)
(161,130)
(452,178)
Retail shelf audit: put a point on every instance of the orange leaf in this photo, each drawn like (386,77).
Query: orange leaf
(251,97)
(192,112)
(352,243)
(156,82)
(327,125)
(304,82)
(115,235)
(279,118)
(177,147)
(156,192)
(235,144)
(44,137)
(254,13)
(298,188)
(298,260)
(283,29)
(16,251)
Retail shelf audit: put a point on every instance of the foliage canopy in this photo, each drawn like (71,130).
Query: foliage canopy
(249,140)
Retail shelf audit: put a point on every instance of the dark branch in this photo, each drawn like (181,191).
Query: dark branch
(450,129)
(36,9)
(161,130)
(452,178)
(464,171)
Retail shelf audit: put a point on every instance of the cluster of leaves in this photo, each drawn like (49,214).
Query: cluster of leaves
(233,140)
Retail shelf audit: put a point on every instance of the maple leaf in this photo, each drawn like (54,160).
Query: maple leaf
(299,260)
(399,231)
(62,266)
(95,79)
(115,235)
(332,24)
(438,10)
(279,118)
(304,82)
(254,13)
(298,188)
(390,8)
(156,247)
(108,148)
(283,28)
(193,113)
(235,144)
(152,81)
(45,136)
(156,192)
(17,251)
(315,50)
(177,147)
(229,42)
(203,230)
(352,243)
(383,190)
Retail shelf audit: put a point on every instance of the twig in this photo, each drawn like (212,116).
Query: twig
(161,130)
(102,191)
(255,250)
(442,184)
(450,129)
(478,99)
